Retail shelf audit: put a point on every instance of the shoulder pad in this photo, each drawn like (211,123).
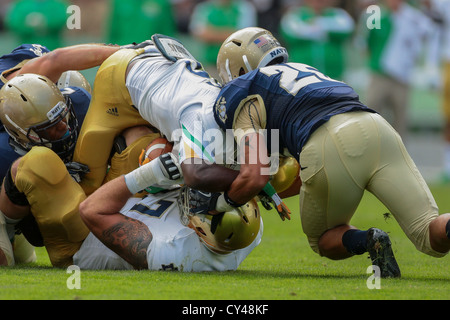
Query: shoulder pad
(41,163)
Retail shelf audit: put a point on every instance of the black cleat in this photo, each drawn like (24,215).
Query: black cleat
(380,251)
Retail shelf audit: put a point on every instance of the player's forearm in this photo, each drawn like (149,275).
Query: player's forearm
(247,185)
(208,177)
(254,171)
(127,237)
(78,57)
(104,202)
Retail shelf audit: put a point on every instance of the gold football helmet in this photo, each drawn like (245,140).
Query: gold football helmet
(31,104)
(73,78)
(223,233)
(288,171)
(246,50)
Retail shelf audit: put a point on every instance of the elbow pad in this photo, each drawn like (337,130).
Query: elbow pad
(14,195)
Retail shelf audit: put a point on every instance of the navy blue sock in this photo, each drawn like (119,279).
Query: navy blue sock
(447,229)
(355,241)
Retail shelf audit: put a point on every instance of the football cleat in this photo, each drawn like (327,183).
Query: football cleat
(381,254)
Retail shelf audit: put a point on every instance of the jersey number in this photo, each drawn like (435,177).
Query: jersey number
(156,209)
(290,80)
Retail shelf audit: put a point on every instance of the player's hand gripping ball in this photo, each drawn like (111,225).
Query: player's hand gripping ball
(156,148)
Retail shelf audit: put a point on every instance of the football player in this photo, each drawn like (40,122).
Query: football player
(27,98)
(34,58)
(158,232)
(164,86)
(43,123)
(152,226)
(343,147)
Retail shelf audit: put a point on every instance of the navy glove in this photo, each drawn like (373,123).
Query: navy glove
(77,170)
(202,202)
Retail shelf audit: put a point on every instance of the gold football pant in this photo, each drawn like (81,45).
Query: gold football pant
(110,112)
(54,198)
(359,151)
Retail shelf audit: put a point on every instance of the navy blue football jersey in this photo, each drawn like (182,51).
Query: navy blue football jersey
(19,54)
(297,98)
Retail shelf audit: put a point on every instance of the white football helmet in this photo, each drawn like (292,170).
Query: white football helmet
(73,78)
(246,50)
(29,105)
(223,233)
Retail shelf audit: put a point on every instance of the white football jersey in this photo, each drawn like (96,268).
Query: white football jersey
(161,90)
(178,99)
(173,247)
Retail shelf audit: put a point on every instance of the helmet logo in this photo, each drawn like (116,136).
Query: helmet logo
(56,111)
(260,41)
(221,109)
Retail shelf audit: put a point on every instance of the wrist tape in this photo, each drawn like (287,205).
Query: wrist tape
(144,176)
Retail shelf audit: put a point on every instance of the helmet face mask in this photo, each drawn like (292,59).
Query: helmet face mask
(30,107)
(226,232)
(65,145)
(246,50)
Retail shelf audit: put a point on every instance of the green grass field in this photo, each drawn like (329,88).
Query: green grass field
(283,267)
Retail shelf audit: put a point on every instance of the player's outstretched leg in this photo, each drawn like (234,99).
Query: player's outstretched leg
(381,254)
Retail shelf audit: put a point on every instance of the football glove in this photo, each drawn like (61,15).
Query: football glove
(268,197)
(170,166)
(202,202)
(171,170)
(77,170)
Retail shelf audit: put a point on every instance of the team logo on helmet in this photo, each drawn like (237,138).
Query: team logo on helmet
(221,109)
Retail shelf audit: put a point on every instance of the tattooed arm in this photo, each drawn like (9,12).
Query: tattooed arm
(127,237)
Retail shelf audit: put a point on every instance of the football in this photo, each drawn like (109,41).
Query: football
(156,148)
